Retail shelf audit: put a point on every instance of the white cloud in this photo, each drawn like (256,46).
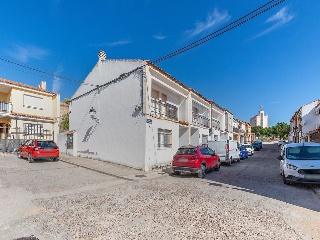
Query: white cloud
(279,19)
(159,36)
(213,19)
(112,44)
(24,53)
(56,85)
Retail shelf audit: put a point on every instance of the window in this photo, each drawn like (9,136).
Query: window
(33,129)
(204,151)
(164,138)
(32,102)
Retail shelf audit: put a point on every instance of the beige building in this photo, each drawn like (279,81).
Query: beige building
(27,112)
(261,119)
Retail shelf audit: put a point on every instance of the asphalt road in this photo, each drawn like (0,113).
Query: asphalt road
(63,200)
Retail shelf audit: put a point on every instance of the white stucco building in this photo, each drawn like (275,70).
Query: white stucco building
(305,123)
(141,118)
(261,119)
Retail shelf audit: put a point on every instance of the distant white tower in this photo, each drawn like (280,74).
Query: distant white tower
(260,119)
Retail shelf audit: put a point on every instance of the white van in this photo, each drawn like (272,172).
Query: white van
(226,149)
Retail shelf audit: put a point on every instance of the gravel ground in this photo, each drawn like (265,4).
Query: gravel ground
(61,201)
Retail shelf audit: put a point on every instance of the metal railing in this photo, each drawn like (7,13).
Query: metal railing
(165,110)
(5,107)
(215,123)
(200,120)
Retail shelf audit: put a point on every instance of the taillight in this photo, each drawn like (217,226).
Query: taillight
(227,148)
(195,157)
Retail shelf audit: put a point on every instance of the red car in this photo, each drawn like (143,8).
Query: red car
(197,160)
(39,149)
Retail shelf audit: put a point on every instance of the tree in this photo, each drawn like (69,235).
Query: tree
(282,129)
(64,125)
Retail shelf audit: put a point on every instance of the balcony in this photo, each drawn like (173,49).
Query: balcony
(215,124)
(5,108)
(200,120)
(235,130)
(164,110)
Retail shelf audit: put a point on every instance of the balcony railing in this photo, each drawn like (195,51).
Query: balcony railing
(235,130)
(215,123)
(165,110)
(200,120)
(5,107)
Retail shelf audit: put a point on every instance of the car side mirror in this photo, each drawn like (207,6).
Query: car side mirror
(280,157)
(214,153)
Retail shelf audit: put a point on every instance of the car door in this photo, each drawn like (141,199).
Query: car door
(213,158)
(22,149)
(29,147)
(204,156)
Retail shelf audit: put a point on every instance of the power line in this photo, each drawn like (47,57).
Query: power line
(38,70)
(223,30)
(246,18)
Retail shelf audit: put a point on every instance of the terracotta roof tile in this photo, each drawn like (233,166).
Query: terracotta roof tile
(25,86)
(32,116)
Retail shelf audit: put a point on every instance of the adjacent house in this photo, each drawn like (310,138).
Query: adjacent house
(26,112)
(305,123)
(132,112)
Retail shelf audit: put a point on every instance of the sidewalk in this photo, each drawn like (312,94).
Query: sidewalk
(111,169)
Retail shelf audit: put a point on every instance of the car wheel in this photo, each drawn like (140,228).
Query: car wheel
(30,159)
(285,181)
(217,168)
(230,162)
(176,173)
(247,156)
(55,159)
(202,171)
(238,160)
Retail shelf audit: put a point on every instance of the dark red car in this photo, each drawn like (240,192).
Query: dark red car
(192,159)
(39,149)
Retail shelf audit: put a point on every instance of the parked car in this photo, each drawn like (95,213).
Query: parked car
(39,149)
(281,143)
(257,145)
(300,162)
(226,149)
(243,152)
(249,148)
(195,159)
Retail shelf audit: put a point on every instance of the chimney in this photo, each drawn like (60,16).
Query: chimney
(42,85)
(102,55)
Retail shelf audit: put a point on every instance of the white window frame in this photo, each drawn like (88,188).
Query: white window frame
(164,138)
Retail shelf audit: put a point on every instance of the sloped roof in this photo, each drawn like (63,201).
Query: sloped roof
(32,116)
(10,82)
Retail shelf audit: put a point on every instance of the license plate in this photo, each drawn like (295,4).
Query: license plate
(183,159)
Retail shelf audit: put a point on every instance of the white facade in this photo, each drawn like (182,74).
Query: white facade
(141,119)
(261,119)
(305,123)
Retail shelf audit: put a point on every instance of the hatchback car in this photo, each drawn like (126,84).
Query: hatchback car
(281,143)
(243,152)
(249,148)
(192,159)
(300,162)
(39,149)
(257,145)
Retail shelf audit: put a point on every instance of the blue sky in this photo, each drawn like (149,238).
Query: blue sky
(272,60)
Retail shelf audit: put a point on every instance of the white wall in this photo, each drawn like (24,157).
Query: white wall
(156,156)
(119,133)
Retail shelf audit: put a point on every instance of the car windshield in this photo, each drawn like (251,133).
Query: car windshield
(45,144)
(303,153)
(247,145)
(187,151)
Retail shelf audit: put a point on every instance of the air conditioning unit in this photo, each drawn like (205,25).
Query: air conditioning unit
(318,126)
(317,111)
